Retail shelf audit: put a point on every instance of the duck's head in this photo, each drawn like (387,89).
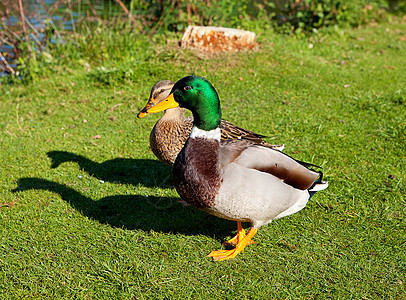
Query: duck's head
(159,92)
(199,96)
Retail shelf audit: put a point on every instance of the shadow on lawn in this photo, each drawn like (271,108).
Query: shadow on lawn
(161,214)
(147,172)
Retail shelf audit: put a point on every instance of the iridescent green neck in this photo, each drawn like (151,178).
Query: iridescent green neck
(207,115)
(202,100)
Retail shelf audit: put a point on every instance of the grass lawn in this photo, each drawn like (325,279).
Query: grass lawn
(87,212)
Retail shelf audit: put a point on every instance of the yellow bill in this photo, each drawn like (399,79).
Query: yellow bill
(153,107)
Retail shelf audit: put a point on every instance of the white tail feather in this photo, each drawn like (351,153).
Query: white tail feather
(319,187)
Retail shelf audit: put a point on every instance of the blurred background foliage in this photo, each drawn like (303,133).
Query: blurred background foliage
(298,14)
(78,30)
(302,15)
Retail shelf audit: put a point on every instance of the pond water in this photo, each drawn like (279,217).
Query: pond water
(40,15)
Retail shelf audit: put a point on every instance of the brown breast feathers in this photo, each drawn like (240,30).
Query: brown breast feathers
(196,172)
(167,139)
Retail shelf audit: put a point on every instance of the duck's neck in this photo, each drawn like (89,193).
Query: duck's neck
(214,134)
(174,114)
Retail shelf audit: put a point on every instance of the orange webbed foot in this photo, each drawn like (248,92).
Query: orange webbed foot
(220,255)
(238,237)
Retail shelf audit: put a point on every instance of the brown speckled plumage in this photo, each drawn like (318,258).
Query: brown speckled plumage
(168,137)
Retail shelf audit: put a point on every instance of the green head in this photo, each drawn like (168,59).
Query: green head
(199,96)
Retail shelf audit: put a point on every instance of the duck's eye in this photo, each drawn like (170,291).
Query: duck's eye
(187,88)
(161,91)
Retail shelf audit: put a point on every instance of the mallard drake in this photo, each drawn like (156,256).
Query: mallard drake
(238,180)
(172,130)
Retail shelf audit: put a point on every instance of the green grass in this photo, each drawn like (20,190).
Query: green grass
(88,212)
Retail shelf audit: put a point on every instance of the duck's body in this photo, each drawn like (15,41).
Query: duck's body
(238,180)
(172,130)
(226,179)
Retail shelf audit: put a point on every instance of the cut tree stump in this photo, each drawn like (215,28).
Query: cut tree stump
(215,40)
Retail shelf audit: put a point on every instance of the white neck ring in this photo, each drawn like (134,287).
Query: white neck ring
(212,134)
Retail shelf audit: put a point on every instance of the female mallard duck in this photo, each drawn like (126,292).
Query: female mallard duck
(172,130)
(234,179)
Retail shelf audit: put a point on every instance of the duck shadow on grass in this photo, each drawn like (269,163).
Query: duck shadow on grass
(160,214)
(147,172)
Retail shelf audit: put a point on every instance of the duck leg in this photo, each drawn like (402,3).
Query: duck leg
(239,236)
(228,254)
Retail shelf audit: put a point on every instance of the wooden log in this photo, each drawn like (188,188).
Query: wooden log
(215,40)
